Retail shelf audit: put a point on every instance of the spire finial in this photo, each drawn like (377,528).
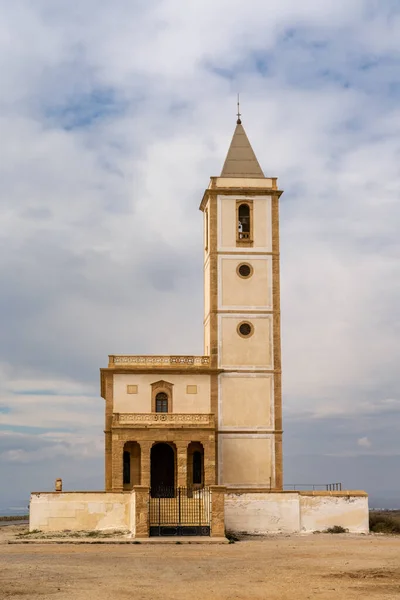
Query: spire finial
(238,112)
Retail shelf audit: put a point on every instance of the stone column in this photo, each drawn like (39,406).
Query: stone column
(141,510)
(209,461)
(108,461)
(117,464)
(278,484)
(217,510)
(145,452)
(181,463)
(108,396)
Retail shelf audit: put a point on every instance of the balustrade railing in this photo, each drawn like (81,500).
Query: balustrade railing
(169,419)
(155,361)
(327,487)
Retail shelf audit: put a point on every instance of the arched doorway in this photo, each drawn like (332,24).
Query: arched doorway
(162,469)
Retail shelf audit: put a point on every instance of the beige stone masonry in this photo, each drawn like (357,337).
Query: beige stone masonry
(145,447)
(141,510)
(181,463)
(116,463)
(147,437)
(107,393)
(276,300)
(217,510)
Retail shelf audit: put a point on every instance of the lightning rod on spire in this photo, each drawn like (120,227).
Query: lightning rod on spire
(238,110)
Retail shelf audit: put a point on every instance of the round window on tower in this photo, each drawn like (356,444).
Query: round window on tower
(244,270)
(245,329)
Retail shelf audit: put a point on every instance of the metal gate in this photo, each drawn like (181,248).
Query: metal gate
(179,511)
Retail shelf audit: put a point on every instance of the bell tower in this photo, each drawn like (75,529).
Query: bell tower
(242,318)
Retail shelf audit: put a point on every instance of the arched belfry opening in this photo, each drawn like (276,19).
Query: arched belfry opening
(244,217)
(162,466)
(244,222)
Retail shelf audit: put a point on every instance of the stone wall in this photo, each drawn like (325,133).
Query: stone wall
(255,512)
(319,511)
(258,513)
(82,511)
(262,513)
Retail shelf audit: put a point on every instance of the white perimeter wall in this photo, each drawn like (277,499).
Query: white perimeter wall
(79,511)
(257,513)
(317,513)
(263,513)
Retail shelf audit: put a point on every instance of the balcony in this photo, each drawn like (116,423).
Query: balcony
(168,420)
(116,361)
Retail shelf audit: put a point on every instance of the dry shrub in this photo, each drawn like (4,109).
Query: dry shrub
(384,522)
(336,529)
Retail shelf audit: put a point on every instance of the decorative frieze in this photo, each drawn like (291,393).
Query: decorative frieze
(163,419)
(158,361)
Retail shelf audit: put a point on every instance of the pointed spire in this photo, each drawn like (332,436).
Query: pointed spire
(241,160)
(238,122)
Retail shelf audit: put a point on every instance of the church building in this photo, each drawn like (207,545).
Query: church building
(213,419)
(193,444)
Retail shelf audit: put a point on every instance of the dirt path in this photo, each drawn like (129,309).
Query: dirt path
(275,568)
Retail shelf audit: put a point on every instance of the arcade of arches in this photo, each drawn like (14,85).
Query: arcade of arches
(163,465)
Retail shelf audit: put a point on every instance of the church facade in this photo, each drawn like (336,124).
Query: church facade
(212,419)
(193,444)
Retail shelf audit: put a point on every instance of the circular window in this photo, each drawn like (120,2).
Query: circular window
(245,329)
(244,270)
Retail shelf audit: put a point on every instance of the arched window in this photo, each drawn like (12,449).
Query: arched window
(244,222)
(162,397)
(161,402)
(197,467)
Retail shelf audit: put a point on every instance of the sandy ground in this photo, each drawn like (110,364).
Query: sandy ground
(278,567)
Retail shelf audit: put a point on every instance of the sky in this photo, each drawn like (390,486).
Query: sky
(113,116)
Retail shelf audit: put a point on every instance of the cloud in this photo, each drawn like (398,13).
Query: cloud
(364,442)
(28,449)
(113,118)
